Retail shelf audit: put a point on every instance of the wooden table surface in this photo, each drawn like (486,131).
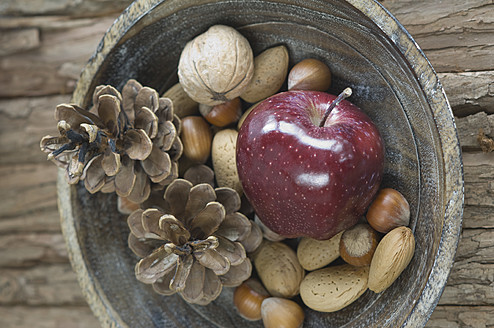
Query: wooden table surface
(43,46)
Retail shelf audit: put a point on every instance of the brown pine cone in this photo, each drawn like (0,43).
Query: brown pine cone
(193,244)
(128,143)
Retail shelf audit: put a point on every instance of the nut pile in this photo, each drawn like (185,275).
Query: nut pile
(191,225)
(367,261)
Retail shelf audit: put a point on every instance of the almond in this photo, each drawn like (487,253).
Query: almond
(392,256)
(223,156)
(270,71)
(314,254)
(183,105)
(278,268)
(333,288)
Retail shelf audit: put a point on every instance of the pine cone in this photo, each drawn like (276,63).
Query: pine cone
(193,244)
(128,143)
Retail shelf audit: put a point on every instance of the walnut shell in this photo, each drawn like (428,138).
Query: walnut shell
(216,66)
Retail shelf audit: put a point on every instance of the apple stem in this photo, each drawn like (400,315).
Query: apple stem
(345,94)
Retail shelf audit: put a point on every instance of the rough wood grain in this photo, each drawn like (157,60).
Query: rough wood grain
(18,40)
(25,250)
(27,189)
(469,92)
(40,285)
(74,8)
(469,128)
(472,277)
(47,317)
(46,220)
(462,316)
(461,21)
(479,185)
(23,122)
(54,66)
(456,36)
(478,217)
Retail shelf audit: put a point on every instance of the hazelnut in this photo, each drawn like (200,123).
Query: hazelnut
(126,206)
(389,210)
(248,298)
(223,114)
(196,138)
(358,244)
(309,74)
(279,312)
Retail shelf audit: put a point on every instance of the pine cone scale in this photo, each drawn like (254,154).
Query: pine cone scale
(199,196)
(207,221)
(155,265)
(108,111)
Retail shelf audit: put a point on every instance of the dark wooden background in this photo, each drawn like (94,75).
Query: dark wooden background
(44,45)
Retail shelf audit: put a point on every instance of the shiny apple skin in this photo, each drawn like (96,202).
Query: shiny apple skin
(303,179)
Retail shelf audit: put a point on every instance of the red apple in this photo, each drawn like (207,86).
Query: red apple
(307,168)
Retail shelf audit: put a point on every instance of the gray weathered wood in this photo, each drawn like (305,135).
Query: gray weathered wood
(470,126)
(462,316)
(27,189)
(54,66)
(40,285)
(456,36)
(23,122)
(479,185)
(72,7)
(19,40)
(22,316)
(472,277)
(28,249)
(478,217)
(469,92)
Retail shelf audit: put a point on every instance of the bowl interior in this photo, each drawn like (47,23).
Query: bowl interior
(147,46)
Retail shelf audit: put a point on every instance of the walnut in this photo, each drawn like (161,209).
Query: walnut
(216,66)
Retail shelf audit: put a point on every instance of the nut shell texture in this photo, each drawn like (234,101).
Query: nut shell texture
(216,66)
(248,298)
(333,288)
(223,157)
(314,254)
(279,312)
(196,138)
(309,74)
(270,71)
(392,256)
(278,268)
(389,210)
(358,244)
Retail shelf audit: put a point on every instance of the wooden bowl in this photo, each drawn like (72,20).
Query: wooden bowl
(366,49)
